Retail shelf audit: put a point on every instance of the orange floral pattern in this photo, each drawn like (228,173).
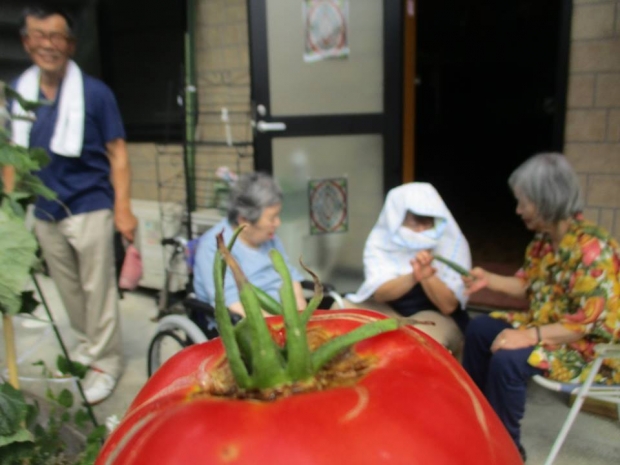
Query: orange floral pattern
(578,286)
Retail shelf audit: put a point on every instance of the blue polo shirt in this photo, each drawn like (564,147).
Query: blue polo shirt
(82,183)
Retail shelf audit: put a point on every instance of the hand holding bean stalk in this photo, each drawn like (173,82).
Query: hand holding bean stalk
(475,279)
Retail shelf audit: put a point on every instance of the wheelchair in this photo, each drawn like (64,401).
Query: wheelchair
(184,320)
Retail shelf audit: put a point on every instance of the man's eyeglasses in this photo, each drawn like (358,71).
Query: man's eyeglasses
(57,39)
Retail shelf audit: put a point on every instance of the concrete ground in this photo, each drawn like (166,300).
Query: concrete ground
(593,440)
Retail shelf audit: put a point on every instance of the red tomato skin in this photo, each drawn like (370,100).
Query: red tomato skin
(417,406)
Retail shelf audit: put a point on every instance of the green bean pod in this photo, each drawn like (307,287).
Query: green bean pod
(459,269)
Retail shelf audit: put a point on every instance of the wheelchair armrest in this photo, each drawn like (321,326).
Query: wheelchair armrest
(309,286)
(195,305)
(330,295)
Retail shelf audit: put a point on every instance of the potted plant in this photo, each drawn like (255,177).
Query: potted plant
(26,437)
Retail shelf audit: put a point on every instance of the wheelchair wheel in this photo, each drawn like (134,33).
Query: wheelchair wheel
(174,333)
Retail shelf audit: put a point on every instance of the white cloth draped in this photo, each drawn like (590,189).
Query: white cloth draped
(390,247)
(68,136)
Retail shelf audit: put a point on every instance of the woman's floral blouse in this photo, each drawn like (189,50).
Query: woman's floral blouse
(577,286)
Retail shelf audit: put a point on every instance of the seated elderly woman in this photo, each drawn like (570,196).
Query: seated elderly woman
(414,224)
(255,202)
(569,276)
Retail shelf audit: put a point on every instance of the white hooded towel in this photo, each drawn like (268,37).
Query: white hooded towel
(388,249)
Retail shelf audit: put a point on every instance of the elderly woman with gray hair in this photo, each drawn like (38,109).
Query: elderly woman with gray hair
(255,202)
(569,276)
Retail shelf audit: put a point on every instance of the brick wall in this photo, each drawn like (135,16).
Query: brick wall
(592,140)
(223,80)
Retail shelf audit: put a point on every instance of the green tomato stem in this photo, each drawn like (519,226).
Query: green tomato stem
(244,339)
(267,303)
(267,363)
(224,324)
(299,364)
(256,361)
(334,346)
(316,298)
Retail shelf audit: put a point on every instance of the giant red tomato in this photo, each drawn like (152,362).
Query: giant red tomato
(402,399)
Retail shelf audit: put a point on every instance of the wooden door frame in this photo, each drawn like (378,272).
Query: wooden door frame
(561,77)
(409,85)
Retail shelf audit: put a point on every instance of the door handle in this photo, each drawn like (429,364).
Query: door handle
(264,126)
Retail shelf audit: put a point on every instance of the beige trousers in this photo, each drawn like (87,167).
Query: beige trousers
(80,256)
(442,328)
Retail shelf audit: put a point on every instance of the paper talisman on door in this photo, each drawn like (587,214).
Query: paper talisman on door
(326,25)
(328,205)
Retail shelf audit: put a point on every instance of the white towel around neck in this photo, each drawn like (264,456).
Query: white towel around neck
(68,136)
(387,257)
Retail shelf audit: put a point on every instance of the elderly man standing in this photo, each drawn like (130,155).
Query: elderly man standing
(83,133)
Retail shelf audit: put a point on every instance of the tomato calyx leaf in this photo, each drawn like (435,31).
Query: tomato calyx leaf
(255,359)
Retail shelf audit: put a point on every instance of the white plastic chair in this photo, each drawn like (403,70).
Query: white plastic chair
(587,389)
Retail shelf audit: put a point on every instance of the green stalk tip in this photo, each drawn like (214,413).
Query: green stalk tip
(333,347)
(299,362)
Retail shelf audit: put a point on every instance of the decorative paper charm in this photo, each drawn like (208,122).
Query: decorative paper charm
(328,205)
(327,29)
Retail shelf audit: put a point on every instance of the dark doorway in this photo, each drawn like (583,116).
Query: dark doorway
(491,92)
(142,60)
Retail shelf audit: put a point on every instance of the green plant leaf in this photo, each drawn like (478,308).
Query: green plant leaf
(13,413)
(39,156)
(28,105)
(65,398)
(94,441)
(32,184)
(21,435)
(17,453)
(17,254)
(74,368)
(29,302)
(13,409)
(14,202)
(5,136)
(81,418)
(32,412)
(17,157)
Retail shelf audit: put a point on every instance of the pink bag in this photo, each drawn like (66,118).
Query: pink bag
(131,272)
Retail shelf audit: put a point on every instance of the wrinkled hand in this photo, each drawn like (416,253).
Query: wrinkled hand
(421,264)
(510,339)
(126,223)
(476,281)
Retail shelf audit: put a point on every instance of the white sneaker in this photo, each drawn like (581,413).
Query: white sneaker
(98,386)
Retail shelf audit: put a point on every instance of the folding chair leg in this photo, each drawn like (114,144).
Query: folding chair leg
(572,415)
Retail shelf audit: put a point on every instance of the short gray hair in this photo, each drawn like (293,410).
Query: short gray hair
(551,184)
(250,195)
